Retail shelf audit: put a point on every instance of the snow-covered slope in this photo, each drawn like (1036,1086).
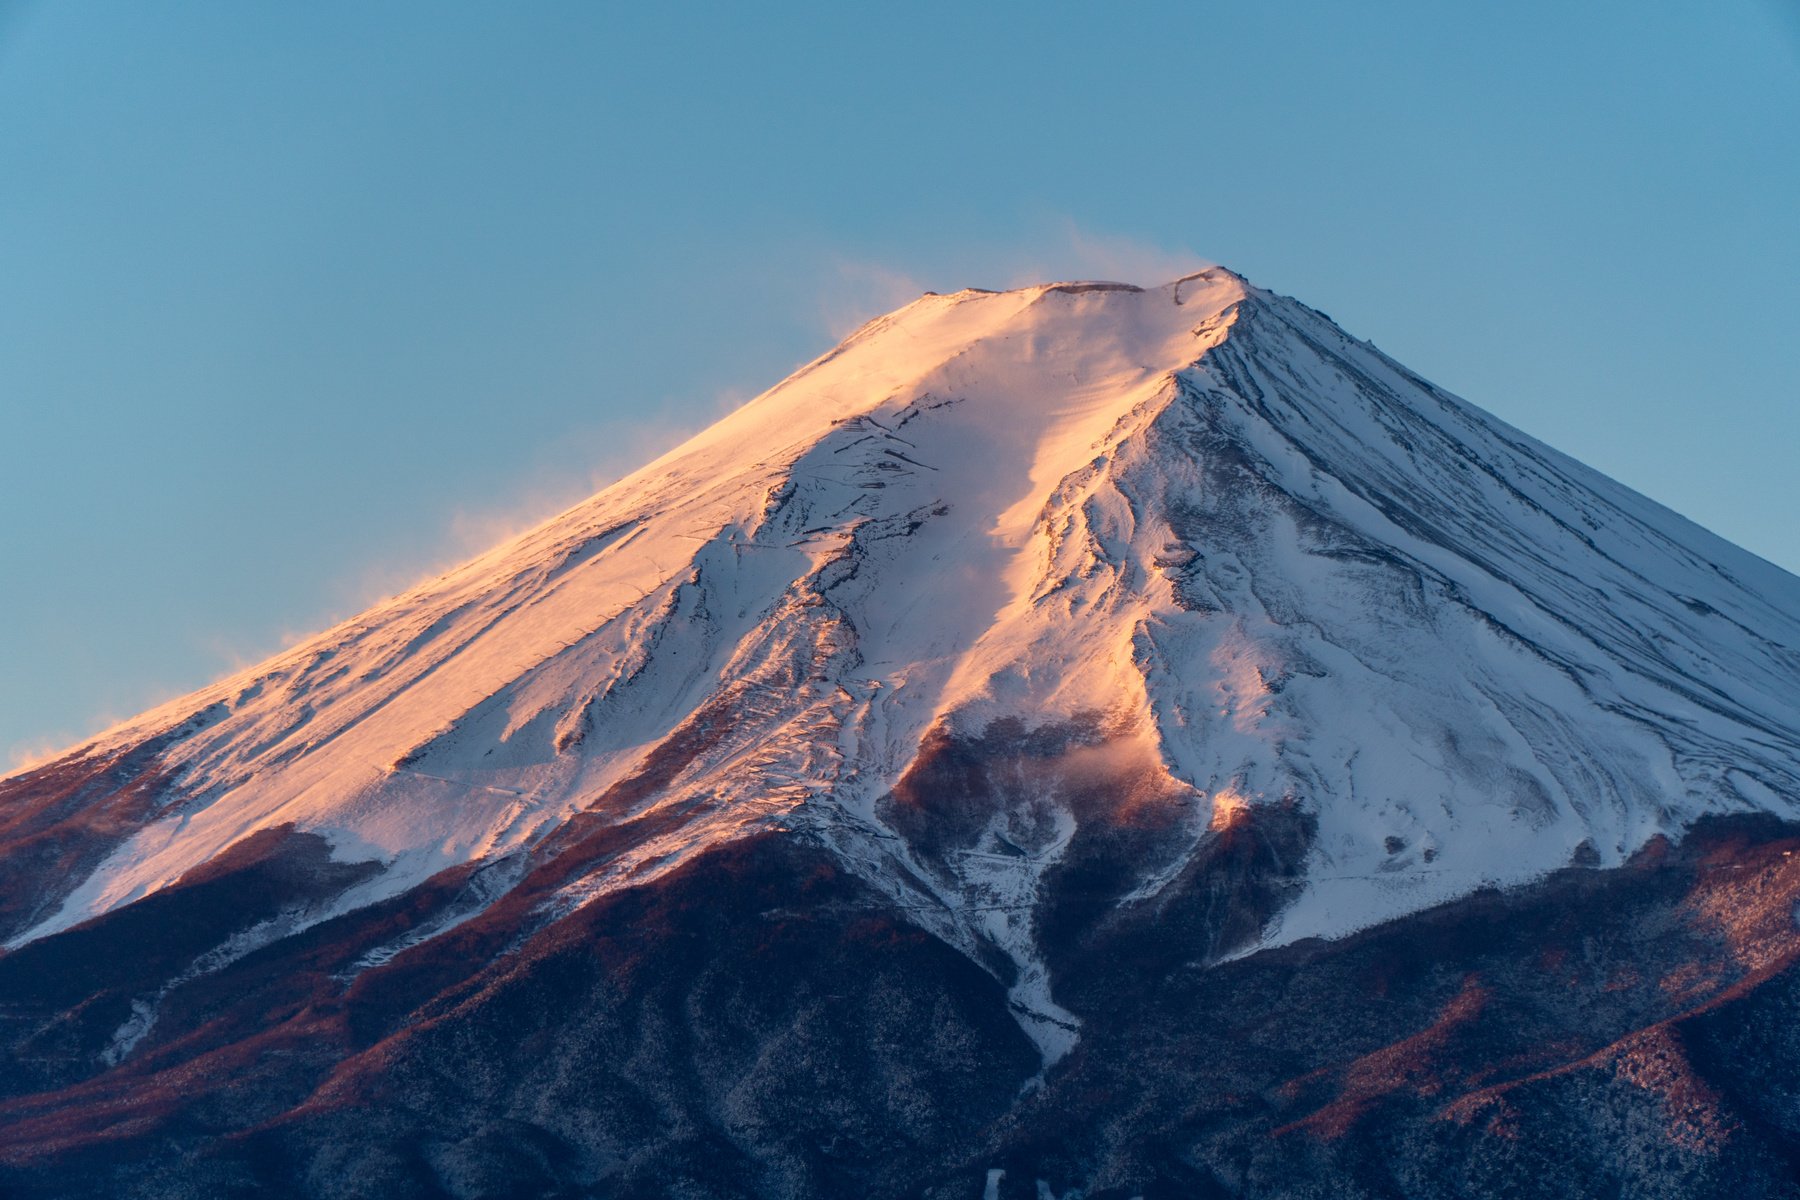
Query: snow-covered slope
(1255,562)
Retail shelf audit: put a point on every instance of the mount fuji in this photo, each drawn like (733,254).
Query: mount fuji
(1084,739)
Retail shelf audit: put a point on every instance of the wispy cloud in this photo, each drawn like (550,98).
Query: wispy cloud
(611,451)
(1088,253)
(1064,249)
(35,752)
(855,291)
(608,452)
(853,288)
(42,748)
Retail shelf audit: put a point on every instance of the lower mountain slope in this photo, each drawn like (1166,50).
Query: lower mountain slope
(759,1022)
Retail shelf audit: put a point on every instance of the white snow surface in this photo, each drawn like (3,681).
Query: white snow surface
(1292,571)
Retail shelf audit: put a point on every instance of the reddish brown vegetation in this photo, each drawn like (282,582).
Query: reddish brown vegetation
(57,822)
(1417,1064)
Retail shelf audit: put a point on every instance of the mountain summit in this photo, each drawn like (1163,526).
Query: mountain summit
(1033,669)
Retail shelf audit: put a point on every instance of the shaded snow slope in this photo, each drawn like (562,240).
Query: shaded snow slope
(1255,560)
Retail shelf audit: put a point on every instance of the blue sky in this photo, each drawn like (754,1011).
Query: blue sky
(300,302)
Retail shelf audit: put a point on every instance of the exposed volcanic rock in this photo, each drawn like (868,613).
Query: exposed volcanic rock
(1086,739)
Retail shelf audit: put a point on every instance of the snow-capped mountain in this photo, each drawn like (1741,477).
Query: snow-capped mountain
(1019,610)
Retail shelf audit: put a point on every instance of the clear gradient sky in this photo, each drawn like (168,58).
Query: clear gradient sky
(300,302)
